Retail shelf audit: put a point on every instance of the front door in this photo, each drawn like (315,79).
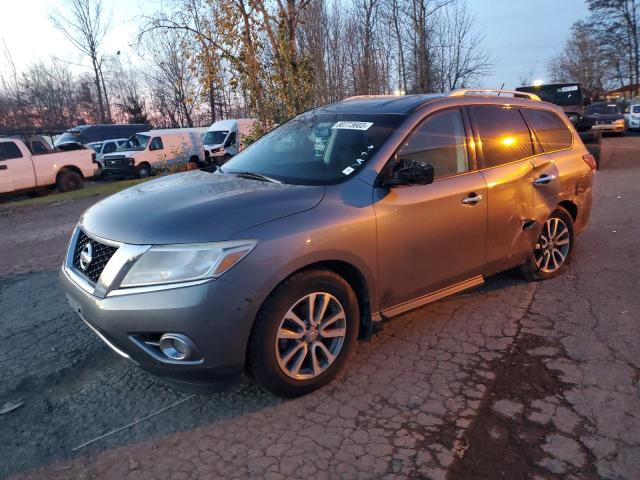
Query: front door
(431,236)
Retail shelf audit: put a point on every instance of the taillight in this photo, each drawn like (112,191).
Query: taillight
(591,161)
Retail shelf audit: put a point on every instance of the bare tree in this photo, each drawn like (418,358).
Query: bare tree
(584,60)
(85,28)
(458,60)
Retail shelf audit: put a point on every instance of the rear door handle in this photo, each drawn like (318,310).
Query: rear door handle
(544,179)
(472,199)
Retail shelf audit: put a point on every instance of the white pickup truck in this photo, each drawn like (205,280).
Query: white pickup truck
(22,170)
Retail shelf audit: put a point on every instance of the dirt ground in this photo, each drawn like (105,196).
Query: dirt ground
(511,380)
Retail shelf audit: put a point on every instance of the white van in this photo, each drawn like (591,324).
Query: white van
(224,139)
(154,151)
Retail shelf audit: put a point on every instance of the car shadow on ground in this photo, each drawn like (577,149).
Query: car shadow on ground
(74,389)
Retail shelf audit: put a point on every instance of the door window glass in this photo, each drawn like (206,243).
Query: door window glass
(9,151)
(231,140)
(156,144)
(504,135)
(439,141)
(551,131)
(109,147)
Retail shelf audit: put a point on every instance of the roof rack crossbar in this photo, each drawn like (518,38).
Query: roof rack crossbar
(497,92)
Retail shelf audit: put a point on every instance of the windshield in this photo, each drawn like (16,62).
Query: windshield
(602,109)
(96,147)
(214,137)
(564,95)
(316,149)
(137,142)
(635,109)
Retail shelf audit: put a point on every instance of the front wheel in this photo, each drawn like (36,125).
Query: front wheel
(304,333)
(553,249)
(144,170)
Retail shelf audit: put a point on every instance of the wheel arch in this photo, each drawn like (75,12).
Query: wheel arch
(570,207)
(69,168)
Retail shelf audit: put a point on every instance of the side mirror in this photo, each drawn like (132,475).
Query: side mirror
(152,147)
(411,173)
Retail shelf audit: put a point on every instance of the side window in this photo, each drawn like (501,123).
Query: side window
(109,147)
(504,135)
(38,148)
(439,141)
(231,140)
(156,144)
(551,131)
(9,151)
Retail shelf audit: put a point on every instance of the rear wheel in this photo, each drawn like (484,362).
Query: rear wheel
(69,181)
(304,333)
(553,249)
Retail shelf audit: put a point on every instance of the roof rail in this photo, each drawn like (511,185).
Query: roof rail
(358,97)
(495,92)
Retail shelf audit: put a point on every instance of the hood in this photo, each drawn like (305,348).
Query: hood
(193,207)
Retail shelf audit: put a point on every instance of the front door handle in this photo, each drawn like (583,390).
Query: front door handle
(3,167)
(472,199)
(544,179)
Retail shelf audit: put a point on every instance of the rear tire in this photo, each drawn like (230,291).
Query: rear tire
(553,250)
(68,181)
(293,352)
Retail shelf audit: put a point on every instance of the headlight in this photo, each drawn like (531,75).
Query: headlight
(619,121)
(183,263)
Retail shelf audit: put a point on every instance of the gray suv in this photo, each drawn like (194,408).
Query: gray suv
(347,215)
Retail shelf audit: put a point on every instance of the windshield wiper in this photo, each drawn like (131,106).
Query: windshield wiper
(256,176)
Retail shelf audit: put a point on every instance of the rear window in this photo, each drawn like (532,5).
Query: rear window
(552,133)
(9,150)
(504,134)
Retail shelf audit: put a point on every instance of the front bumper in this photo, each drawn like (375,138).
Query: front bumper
(216,315)
(610,128)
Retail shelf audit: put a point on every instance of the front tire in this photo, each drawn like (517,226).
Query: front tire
(304,333)
(144,170)
(553,250)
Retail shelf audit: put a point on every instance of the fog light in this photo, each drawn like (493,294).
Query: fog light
(176,346)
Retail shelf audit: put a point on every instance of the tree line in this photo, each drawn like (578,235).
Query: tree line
(603,50)
(202,60)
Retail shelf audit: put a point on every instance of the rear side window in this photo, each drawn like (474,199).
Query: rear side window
(439,141)
(9,151)
(38,148)
(504,134)
(550,130)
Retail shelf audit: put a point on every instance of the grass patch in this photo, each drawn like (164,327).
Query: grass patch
(89,191)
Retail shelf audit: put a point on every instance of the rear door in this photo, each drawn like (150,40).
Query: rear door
(16,168)
(505,151)
(431,236)
(554,173)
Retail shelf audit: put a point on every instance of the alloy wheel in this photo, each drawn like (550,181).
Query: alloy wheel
(310,336)
(553,245)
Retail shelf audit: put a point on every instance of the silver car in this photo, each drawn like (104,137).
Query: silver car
(345,216)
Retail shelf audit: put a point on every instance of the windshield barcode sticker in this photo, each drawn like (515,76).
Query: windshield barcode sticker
(348,170)
(352,125)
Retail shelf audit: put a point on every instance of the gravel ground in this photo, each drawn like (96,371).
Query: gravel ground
(511,380)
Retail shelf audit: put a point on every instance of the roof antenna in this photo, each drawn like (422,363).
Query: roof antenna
(501,88)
